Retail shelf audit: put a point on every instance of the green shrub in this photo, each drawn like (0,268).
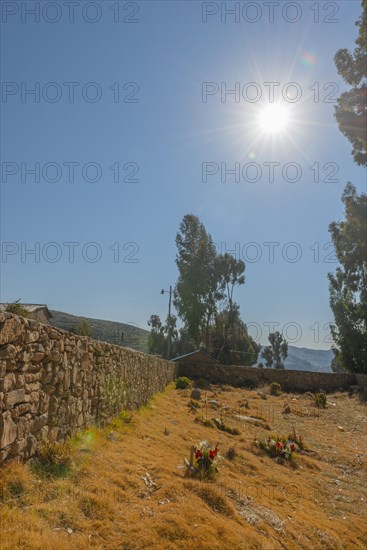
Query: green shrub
(17,309)
(320,400)
(83,329)
(275,388)
(54,459)
(126,417)
(183,382)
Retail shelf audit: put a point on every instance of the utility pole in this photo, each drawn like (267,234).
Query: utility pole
(169,320)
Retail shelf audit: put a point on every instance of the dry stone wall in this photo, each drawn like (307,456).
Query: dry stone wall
(54,383)
(290,380)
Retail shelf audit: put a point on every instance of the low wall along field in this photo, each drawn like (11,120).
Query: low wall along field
(54,383)
(290,380)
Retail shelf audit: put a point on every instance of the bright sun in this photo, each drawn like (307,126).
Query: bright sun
(274,119)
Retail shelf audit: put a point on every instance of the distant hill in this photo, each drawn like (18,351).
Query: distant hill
(314,360)
(131,336)
(121,334)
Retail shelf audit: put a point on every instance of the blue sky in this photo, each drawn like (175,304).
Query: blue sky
(162,140)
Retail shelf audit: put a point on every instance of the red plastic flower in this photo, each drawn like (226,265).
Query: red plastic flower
(292,447)
(198,454)
(279,445)
(212,454)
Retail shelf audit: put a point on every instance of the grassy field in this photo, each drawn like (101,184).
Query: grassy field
(125,487)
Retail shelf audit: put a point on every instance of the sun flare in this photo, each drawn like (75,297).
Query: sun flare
(274,119)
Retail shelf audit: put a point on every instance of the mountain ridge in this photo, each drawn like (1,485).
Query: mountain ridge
(132,336)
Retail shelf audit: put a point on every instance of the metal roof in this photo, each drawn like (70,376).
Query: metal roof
(194,353)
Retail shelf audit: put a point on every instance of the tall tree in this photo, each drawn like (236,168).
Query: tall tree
(267,354)
(156,341)
(203,296)
(231,272)
(277,351)
(348,286)
(351,109)
(197,289)
(230,341)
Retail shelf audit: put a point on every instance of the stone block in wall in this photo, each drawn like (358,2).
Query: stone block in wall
(32,377)
(31,337)
(43,433)
(32,387)
(8,382)
(31,445)
(19,380)
(53,405)
(56,356)
(53,433)
(23,425)
(43,401)
(8,430)
(20,409)
(11,330)
(4,453)
(38,356)
(38,422)
(67,378)
(24,356)
(18,446)
(14,397)
(47,378)
(53,334)
(8,351)
(2,367)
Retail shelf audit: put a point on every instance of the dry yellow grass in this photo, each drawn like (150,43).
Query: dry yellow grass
(255,503)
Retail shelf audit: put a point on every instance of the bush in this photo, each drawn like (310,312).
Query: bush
(126,417)
(183,382)
(17,309)
(275,388)
(54,459)
(83,329)
(231,453)
(320,400)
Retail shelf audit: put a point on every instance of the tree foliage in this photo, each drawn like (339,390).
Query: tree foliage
(158,337)
(276,352)
(197,289)
(203,296)
(157,343)
(230,342)
(351,109)
(348,285)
